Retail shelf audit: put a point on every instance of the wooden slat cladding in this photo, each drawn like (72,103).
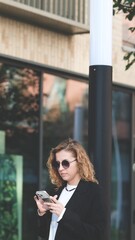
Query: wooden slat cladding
(76,10)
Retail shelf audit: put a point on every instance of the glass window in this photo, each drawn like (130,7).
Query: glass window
(64,114)
(19,137)
(63,100)
(121,164)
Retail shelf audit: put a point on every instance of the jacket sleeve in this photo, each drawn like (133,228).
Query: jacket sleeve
(45,220)
(44,225)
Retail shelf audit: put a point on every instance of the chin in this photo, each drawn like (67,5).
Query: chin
(65,178)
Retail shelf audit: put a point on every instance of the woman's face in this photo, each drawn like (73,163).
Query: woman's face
(71,174)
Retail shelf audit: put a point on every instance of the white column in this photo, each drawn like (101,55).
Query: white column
(101,32)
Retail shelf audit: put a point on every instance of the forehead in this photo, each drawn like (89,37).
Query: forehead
(63,154)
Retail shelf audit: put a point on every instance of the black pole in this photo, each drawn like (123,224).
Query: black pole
(100,130)
(100,98)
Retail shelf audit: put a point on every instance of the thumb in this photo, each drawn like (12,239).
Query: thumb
(54,198)
(35,198)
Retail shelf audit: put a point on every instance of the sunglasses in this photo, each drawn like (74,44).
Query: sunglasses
(65,164)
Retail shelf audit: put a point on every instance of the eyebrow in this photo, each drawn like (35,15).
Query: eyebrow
(61,160)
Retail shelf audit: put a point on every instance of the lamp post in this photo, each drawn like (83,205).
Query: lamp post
(100,98)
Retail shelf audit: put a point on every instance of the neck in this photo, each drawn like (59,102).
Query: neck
(74,181)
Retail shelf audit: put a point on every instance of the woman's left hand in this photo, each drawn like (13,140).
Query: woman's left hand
(55,207)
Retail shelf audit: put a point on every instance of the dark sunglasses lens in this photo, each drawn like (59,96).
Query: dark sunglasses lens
(65,164)
(56,164)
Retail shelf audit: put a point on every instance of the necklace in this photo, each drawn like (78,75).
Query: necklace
(69,190)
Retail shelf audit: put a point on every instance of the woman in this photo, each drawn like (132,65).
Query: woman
(76,210)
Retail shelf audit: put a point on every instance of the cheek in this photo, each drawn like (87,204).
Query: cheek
(75,170)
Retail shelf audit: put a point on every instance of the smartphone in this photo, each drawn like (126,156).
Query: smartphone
(44,196)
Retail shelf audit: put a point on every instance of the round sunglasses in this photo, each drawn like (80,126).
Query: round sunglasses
(65,164)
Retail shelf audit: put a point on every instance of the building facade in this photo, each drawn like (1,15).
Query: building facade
(44,71)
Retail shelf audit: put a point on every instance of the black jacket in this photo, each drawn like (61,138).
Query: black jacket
(83,218)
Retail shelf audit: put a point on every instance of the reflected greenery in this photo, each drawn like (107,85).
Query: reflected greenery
(8,200)
(19,119)
(19,102)
(19,97)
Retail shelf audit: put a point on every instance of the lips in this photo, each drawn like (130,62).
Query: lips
(63,174)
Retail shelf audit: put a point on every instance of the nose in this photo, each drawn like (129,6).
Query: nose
(60,167)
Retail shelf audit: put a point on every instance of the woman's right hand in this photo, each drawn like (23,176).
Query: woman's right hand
(41,205)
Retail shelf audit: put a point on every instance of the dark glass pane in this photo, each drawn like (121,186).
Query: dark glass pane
(19,135)
(121,182)
(63,100)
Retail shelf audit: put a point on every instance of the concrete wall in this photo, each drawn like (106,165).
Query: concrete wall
(40,45)
(120,75)
(68,52)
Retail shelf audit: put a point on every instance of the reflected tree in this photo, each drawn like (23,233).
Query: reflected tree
(19,101)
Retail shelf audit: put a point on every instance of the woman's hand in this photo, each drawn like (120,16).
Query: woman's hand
(41,205)
(55,207)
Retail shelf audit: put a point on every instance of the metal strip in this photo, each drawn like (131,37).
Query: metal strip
(133,170)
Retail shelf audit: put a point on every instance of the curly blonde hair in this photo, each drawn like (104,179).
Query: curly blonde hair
(85,166)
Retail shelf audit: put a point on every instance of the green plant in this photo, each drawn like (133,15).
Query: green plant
(8,199)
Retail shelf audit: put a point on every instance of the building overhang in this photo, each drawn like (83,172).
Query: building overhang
(34,16)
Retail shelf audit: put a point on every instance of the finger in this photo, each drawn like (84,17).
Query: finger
(48,204)
(55,196)
(54,199)
(35,198)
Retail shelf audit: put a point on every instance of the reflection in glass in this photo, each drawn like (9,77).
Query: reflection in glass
(120,186)
(11,197)
(19,119)
(61,97)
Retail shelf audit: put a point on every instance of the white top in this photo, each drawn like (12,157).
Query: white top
(63,198)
